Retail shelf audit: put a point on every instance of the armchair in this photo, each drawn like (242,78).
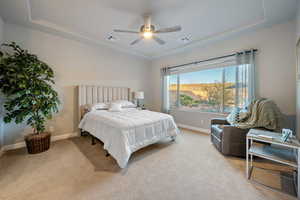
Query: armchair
(229,140)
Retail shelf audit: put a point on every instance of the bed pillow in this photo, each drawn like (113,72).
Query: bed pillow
(96,106)
(115,107)
(125,103)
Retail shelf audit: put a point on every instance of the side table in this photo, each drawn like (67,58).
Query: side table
(272,148)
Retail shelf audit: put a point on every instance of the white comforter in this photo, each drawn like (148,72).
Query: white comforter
(129,130)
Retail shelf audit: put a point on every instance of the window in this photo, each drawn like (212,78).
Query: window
(212,85)
(210,90)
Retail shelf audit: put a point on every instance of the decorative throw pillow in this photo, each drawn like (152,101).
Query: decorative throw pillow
(115,107)
(233,117)
(243,114)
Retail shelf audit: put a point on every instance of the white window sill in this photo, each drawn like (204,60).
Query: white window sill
(198,111)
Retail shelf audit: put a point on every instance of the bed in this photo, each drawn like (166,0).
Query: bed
(126,131)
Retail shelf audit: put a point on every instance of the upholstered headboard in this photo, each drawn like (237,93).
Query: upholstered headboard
(89,94)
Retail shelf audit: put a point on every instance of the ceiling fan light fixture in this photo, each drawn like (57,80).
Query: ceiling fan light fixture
(147,31)
(147,34)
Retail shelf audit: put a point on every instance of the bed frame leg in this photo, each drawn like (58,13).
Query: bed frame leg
(173,138)
(93,140)
(83,133)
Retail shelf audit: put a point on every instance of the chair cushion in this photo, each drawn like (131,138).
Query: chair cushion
(217,130)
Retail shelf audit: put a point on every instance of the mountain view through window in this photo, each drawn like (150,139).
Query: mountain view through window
(212,90)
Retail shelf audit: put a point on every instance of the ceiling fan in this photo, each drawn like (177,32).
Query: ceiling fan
(148,31)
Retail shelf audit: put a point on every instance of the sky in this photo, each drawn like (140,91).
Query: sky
(205,76)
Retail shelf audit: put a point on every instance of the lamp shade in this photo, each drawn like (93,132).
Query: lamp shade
(139,95)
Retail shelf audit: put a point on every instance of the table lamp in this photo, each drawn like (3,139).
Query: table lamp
(138,96)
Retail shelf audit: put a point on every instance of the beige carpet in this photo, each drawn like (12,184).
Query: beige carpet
(189,169)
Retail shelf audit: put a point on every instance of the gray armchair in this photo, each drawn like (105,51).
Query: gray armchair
(229,140)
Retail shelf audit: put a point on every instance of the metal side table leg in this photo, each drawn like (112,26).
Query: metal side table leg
(251,160)
(247,159)
(298,173)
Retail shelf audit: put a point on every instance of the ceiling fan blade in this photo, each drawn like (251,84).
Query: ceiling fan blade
(136,41)
(168,30)
(125,31)
(158,40)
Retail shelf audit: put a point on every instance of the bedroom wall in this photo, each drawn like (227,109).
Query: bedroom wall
(75,63)
(298,76)
(275,68)
(1,107)
(1,28)
(298,19)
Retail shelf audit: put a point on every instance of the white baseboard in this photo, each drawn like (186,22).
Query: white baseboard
(64,136)
(22,144)
(202,130)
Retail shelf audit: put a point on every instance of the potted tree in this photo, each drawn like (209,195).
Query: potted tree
(26,82)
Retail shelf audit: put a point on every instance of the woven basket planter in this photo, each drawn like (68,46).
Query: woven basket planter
(37,143)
